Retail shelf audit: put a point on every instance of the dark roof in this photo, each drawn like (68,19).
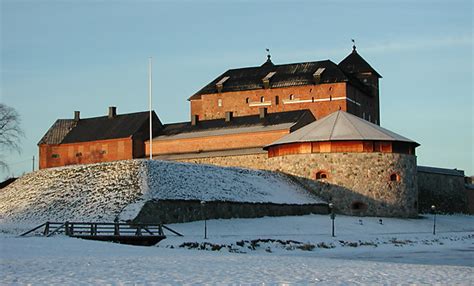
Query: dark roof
(354,63)
(97,128)
(7,182)
(58,131)
(286,75)
(297,118)
(443,171)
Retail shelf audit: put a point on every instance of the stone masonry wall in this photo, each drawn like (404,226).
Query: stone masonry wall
(177,211)
(446,192)
(357,183)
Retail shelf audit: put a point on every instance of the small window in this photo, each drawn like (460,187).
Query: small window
(103,152)
(321,175)
(394,177)
(358,206)
(55,156)
(312,99)
(262,99)
(292,97)
(277,100)
(247,100)
(79,154)
(219,102)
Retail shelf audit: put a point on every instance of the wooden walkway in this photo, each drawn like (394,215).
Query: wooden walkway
(135,234)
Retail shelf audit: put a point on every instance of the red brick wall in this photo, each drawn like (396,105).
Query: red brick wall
(214,143)
(207,107)
(92,152)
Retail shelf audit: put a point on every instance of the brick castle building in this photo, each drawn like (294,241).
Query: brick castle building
(317,121)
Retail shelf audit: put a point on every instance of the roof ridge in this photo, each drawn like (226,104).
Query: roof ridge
(358,131)
(334,125)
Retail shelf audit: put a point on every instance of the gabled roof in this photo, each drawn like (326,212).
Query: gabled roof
(354,63)
(58,131)
(341,126)
(273,121)
(285,75)
(97,128)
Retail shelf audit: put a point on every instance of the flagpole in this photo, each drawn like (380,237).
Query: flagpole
(149,99)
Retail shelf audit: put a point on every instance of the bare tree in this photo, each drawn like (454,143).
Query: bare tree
(10,133)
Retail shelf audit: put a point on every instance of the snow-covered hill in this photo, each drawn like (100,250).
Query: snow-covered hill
(101,192)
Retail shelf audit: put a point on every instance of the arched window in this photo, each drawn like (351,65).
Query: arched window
(394,177)
(321,175)
(219,102)
(292,97)
(247,100)
(262,99)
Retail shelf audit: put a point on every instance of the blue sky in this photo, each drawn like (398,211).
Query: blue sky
(61,56)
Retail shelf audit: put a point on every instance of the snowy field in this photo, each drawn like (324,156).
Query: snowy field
(271,250)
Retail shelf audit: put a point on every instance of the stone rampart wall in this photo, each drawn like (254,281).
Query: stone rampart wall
(357,183)
(177,211)
(446,192)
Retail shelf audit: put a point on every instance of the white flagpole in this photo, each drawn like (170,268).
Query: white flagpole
(149,97)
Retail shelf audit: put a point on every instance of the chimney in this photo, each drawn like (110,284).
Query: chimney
(263,112)
(77,115)
(194,119)
(112,111)
(228,116)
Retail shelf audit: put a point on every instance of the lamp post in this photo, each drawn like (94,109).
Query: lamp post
(433,208)
(203,205)
(333,217)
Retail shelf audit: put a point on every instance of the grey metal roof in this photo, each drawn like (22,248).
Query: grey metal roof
(341,126)
(251,123)
(443,171)
(207,154)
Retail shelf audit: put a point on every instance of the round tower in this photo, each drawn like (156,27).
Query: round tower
(362,168)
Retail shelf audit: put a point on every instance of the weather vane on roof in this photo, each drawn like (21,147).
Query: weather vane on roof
(353,45)
(268,53)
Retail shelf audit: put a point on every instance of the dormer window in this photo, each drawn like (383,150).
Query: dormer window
(220,84)
(317,75)
(266,79)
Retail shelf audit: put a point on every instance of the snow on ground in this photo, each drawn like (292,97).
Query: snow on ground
(101,192)
(412,254)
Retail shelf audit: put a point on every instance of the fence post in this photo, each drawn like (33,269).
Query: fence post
(46,229)
(116,229)
(67,228)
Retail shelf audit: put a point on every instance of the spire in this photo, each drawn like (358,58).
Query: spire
(353,46)
(268,61)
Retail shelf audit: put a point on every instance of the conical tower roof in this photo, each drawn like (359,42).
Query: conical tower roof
(341,126)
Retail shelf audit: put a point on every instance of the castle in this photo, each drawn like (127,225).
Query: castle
(317,121)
